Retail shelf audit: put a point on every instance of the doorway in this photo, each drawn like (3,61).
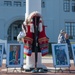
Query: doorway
(14,30)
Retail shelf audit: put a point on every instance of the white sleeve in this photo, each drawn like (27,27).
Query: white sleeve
(59,38)
(21,35)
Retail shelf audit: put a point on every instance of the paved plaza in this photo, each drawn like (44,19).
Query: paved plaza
(47,61)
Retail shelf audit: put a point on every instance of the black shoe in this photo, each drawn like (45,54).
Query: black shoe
(41,71)
(34,71)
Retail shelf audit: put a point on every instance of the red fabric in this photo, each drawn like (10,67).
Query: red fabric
(28,42)
(29,37)
(42,40)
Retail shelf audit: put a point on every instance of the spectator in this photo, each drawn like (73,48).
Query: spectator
(64,38)
(61,38)
(69,45)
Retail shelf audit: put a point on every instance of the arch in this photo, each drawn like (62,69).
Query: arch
(11,23)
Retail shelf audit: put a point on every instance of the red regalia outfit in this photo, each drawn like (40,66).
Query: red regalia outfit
(29,38)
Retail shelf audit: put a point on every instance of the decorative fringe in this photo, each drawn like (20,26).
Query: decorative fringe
(44,45)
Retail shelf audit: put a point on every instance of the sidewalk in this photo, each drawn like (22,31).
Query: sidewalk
(47,61)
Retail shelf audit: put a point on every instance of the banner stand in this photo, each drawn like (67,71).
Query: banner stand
(61,69)
(61,57)
(14,58)
(14,70)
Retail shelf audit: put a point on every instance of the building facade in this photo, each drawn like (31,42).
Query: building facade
(56,14)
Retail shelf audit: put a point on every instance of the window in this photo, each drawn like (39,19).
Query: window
(17,3)
(66,5)
(73,5)
(70,29)
(7,3)
(43,4)
(24,3)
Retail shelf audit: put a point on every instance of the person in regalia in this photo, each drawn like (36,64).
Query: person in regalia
(35,35)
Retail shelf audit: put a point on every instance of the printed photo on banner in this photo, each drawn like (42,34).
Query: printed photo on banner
(60,55)
(1,53)
(73,52)
(15,55)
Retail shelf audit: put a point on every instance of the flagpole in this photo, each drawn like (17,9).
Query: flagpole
(30,60)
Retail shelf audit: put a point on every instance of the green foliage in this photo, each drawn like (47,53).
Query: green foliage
(24,56)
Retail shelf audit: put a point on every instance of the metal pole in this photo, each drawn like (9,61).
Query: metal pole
(35,42)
